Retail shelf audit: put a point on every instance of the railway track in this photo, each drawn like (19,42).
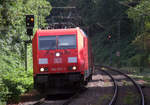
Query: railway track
(117,96)
(112,102)
(66,101)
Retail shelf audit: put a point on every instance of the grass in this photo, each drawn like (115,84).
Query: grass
(135,72)
(129,99)
(125,83)
(105,98)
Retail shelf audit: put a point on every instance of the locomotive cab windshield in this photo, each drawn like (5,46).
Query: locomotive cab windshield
(57,42)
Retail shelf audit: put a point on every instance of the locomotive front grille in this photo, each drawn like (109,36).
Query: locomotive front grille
(43,78)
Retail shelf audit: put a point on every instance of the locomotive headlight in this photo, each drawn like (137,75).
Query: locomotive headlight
(74,68)
(57,54)
(41,69)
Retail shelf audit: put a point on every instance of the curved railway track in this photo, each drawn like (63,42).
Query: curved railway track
(112,102)
(115,96)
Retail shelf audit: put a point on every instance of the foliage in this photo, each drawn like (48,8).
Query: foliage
(131,37)
(14,81)
(107,15)
(58,3)
(129,28)
(140,15)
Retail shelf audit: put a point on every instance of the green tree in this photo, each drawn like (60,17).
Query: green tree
(13,79)
(141,17)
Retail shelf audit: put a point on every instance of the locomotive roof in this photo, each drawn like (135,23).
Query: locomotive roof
(58,31)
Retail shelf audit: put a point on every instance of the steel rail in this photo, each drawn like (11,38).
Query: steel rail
(41,101)
(133,81)
(82,89)
(112,102)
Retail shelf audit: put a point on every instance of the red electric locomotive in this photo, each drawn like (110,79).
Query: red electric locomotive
(61,57)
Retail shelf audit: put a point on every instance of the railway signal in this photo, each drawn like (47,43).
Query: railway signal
(29,24)
(29,30)
(30,21)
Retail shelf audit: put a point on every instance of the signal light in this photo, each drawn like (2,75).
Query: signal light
(30,21)
(109,36)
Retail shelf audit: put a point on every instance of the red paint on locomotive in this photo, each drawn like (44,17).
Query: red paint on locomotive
(61,51)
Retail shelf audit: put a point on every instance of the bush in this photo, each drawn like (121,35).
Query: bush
(14,83)
(14,80)
(139,60)
(135,60)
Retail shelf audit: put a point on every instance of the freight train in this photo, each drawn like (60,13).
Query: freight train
(61,57)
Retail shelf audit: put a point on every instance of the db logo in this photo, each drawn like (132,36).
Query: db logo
(57,60)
